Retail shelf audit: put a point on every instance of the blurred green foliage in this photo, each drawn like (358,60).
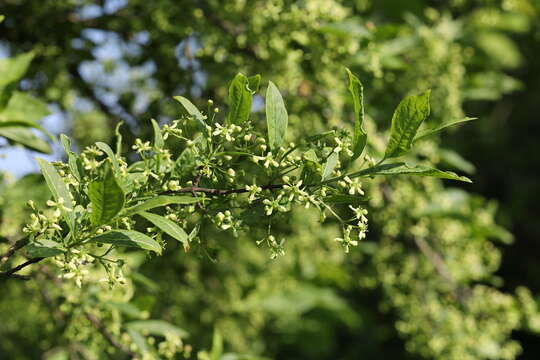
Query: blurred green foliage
(425,284)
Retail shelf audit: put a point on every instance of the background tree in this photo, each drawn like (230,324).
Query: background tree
(422,284)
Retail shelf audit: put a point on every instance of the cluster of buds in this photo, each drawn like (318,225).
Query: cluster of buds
(170,346)
(45,223)
(354,185)
(267,160)
(276,247)
(73,265)
(171,129)
(141,147)
(226,132)
(225,221)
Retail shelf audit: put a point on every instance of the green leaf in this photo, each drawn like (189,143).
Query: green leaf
(118,138)
(311,155)
(191,109)
(345,199)
(2,17)
(276,116)
(158,137)
(74,164)
(43,248)
(13,69)
(156,327)
(128,238)
(456,161)
(126,308)
(320,136)
(217,346)
(161,200)
(107,198)
(58,188)
(408,117)
(330,165)
(240,98)
(107,150)
(25,137)
(168,227)
(360,136)
(420,170)
(24,107)
(428,132)
(138,340)
(254,82)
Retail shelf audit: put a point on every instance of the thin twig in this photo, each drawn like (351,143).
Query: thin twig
(11,272)
(435,259)
(108,336)
(220,192)
(18,244)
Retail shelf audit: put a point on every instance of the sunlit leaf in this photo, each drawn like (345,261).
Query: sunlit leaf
(107,198)
(167,226)
(43,248)
(420,170)
(240,98)
(330,165)
(156,327)
(158,138)
(112,156)
(408,117)
(56,185)
(161,200)
(276,116)
(428,132)
(26,137)
(191,110)
(128,238)
(13,69)
(360,136)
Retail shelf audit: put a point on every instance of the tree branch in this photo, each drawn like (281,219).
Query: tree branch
(18,244)
(11,272)
(462,293)
(219,192)
(108,336)
(435,259)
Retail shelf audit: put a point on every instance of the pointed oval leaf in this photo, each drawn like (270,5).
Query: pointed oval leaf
(13,69)
(110,154)
(360,136)
(330,165)
(254,82)
(429,132)
(107,198)
(168,227)
(138,340)
(74,163)
(24,107)
(408,116)
(161,200)
(276,116)
(191,110)
(156,327)
(129,238)
(58,187)
(419,170)
(26,137)
(43,248)
(158,137)
(345,199)
(240,98)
